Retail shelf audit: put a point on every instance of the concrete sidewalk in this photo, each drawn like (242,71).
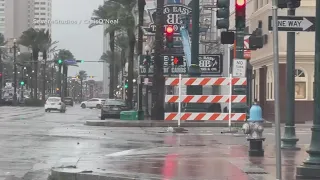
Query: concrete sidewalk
(162,123)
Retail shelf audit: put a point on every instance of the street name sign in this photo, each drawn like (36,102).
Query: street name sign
(294,23)
(210,65)
(239,68)
(70,61)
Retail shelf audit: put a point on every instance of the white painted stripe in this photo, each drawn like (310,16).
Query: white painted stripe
(121,153)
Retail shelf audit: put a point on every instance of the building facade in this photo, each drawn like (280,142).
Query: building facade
(262,62)
(42,12)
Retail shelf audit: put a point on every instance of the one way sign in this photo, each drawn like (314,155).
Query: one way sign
(294,23)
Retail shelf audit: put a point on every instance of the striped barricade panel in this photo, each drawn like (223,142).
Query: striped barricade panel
(203,116)
(205,81)
(206,98)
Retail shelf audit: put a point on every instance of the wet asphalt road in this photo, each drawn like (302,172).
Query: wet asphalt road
(33,141)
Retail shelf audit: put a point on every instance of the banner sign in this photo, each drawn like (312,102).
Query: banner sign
(210,64)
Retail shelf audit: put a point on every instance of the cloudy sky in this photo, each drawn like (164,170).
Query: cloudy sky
(85,44)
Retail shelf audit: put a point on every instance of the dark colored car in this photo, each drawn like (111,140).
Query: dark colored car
(68,101)
(112,108)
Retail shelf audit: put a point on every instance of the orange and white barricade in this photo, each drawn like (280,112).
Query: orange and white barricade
(205,116)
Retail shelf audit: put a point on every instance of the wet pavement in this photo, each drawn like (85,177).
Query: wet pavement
(34,141)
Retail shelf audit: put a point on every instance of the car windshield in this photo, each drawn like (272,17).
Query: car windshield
(68,99)
(115,102)
(54,100)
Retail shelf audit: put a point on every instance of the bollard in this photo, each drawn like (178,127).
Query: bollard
(254,128)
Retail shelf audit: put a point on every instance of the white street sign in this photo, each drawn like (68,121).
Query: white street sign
(146,80)
(239,68)
(294,23)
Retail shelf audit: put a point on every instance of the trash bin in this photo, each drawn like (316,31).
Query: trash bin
(129,115)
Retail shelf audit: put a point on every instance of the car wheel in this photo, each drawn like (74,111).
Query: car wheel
(45,110)
(83,106)
(103,118)
(98,106)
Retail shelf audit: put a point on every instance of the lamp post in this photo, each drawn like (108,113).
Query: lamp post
(147,64)
(15,71)
(22,84)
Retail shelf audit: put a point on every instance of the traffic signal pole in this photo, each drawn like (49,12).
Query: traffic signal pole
(194,69)
(289,140)
(311,167)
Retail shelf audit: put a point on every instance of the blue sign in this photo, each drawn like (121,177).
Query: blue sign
(70,61)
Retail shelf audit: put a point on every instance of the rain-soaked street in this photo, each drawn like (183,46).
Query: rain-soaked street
(32,142)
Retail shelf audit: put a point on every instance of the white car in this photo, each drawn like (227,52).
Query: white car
(55,104)
(93,103)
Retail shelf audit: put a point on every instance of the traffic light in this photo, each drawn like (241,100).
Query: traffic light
(0,74)
(60,61)
(21,83)
(256,39)
(223,14)
(169,36)
(178,60)
(240,14)
(126,85)
(291,3)
(80,61)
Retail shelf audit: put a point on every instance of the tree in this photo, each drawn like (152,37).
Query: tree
(157,111)
(47,48)
(106,11)
(63,54)
(122,10)
(82,76)
(36,40)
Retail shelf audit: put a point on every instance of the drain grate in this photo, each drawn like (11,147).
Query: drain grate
(256,172)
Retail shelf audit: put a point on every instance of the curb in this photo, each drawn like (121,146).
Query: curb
(165,124)
(75,174)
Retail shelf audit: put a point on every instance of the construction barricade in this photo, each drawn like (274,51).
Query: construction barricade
(205,116)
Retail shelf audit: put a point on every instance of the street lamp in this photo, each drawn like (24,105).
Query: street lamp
(15,71)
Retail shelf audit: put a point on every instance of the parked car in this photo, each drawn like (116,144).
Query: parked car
(68,101)
(93,103)
(55,104)
(112,108)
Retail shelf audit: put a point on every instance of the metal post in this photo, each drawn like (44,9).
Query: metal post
(15,72)
(311,167)
(2,74)
(276,87)
(59,79)
(22,75)
(147,85)
(194,69)
(289,140)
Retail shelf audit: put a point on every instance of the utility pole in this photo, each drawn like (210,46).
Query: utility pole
(15,72)
(148,59)
(1,76)
(141,5)
(311,167)
(276,87)
(289,140)
(194,69)
(59,79)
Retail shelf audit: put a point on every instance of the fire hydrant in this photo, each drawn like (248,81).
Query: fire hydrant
(254,128)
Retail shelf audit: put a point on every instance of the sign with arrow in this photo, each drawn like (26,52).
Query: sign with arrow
(294,23)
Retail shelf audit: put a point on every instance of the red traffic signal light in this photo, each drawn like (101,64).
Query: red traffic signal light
(0,74)
(169,30)
(240,3)
(178,60)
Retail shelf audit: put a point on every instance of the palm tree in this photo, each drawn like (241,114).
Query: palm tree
(106,11)
(63,54)
(157,111)
(121,10)
(3,54)
(48,48)
(36,40)
(82,76)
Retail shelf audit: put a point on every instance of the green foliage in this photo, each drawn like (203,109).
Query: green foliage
(65,54)
(34,102)
(82,75)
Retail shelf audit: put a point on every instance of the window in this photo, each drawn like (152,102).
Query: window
(43,8)
(300,84)
(269,92)
(43,2)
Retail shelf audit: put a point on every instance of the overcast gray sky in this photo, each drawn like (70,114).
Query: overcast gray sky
(84,43)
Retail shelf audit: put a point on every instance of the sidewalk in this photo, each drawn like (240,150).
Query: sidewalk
(181,162)
(162,123)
